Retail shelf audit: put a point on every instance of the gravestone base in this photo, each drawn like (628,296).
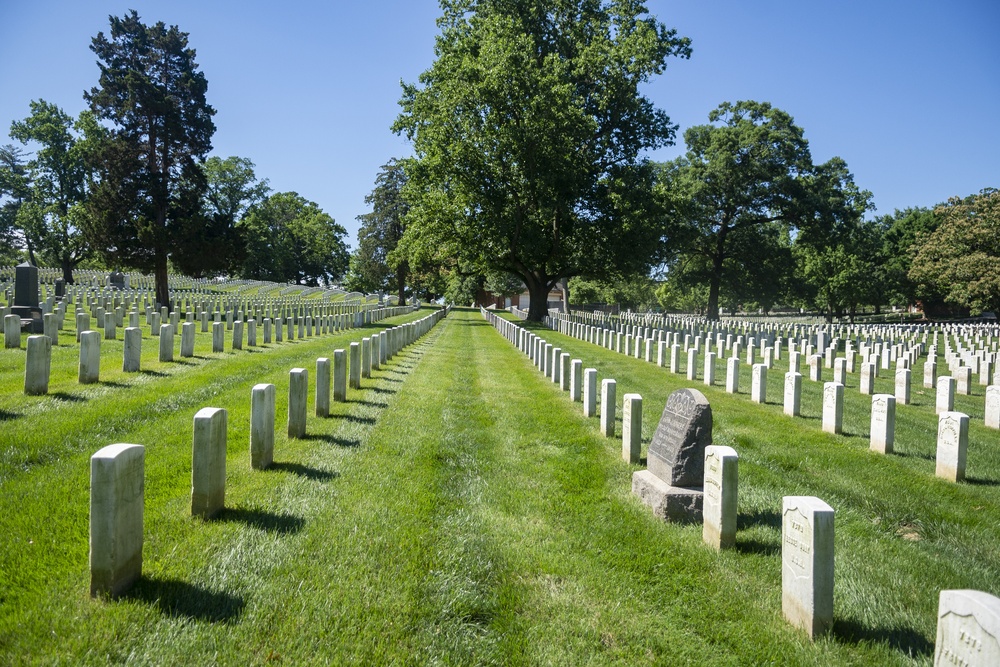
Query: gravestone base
(31,318)
(680,504)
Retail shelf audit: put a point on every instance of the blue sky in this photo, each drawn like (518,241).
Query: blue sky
(907,92)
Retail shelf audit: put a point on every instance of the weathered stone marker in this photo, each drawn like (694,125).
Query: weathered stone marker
(355,370)
(262,398)
(339,376)
(903,386)
(37,365)
(298,398)
(721,487)
(993,406)
(793,394)
(218,336)
(322,387)
(807,563)
(90,357)
(576,380)
(945,398)
(132,354)
(208,462)
(867,384)
(672,483)
(952,445)
(733,375)
(366,357)
(116,507)
(631,427)
(968,629)
(608,402)
(166,342)
(589,392)
(833,407)
(187,339)
(883,425)
(758,384)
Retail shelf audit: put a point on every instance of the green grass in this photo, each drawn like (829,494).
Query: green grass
(459,509)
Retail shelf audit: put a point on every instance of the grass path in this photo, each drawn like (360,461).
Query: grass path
(460,510)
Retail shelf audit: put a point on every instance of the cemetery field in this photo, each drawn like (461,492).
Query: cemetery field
(460,509)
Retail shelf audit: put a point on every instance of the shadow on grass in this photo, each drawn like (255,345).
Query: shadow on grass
(331,439)
(7,415)
(358,420)
(766,518)
(272,522)
(67,398)
(181,599)
(304,471)
(905,640)
(159,374)
(111,383)
(979,481)
(915,455)
(380,390)
(370,404)
(757,547)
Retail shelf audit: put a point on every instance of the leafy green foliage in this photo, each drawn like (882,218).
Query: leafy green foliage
(14,189)
(635,292)
(59,178)
(290,239)
(373,267)
(146,207)
(527,130)
(746,182)
(961,258)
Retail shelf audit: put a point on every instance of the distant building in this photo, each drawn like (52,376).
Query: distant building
(486,299)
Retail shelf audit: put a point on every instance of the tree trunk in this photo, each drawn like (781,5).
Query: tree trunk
(162,293)
(712,311)
(539,306)
(564,288)
(401,271)
(67,271)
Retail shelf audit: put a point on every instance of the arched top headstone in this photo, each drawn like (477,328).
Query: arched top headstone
(677,452)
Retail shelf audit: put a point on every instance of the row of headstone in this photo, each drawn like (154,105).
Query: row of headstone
(117,472)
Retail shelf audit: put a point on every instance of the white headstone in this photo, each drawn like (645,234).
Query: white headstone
(883,424)
(793,394)
(719,504)
(262,399)
(117,481)
(631,427)
(807,530)
(208,461)
(608,403)
(952,445)
(833,407)
(968,629)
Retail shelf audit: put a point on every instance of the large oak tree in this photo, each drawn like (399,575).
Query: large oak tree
(528,130)
(146,208)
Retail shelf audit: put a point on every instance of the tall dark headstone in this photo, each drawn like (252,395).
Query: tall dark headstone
(116,280)
(60,288)
(672,484)
(26,298)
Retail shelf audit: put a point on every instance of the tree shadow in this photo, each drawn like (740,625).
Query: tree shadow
(903,639)
(180,599)
(332,439)
(67,398)
(271,522)
(303,470)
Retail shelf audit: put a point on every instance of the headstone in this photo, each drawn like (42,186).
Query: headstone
(116,514)
(218,336)
(187,339)
(355,368)
(993,406)
(262,398)
(807,529)
(758,386)
(576,381)
(631,427)
(208,461)
(903,386)
(608,403)
(945,398)
(867,385)
(298,398)
(733,375)
(709,372)
(589,392)
(692,364)
(833,407)
(26,306)
(952,445)
(719,512)
(793,394)
(37,365)
(883,423)
(968,629)
(339,376)
(366,357)
(672,484)
(12,332)
(322,387)
(90,357)
(564,369)
(166,342)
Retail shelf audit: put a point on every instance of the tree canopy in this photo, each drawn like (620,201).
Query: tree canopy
(146,207)
(374,267)
(528,130)
(290,239)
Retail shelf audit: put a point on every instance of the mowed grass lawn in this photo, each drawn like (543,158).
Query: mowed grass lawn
(459,509)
